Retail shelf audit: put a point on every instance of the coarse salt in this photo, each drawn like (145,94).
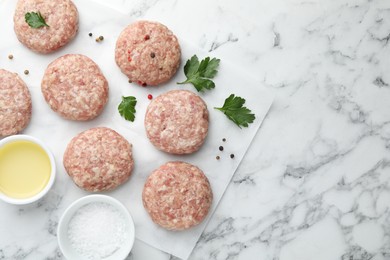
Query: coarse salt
(97,230)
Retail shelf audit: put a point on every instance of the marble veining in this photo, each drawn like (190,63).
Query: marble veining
(315,183)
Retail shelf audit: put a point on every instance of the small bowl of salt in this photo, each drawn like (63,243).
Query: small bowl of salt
(96,227)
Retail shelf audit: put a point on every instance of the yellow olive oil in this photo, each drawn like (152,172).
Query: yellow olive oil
(24,169)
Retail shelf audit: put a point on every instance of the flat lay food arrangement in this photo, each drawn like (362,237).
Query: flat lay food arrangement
(163,102)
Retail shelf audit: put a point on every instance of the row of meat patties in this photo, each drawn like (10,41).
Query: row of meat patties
(177,195)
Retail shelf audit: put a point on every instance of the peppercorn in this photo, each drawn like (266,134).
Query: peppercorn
(147,37)
(90,34)
(150,97)
(152,55)
(10,56)
(144,84)
(130,81)
(224,140)
(217,157)
(99,39)
(26,72)
(221,148)
(232,156)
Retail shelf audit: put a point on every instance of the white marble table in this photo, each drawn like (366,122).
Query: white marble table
(315,183)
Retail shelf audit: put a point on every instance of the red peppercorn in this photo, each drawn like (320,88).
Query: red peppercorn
(143,84)
(147,37)
(150,97)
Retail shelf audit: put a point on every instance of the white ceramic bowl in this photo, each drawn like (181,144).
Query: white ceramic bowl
(62,232)
(49,184)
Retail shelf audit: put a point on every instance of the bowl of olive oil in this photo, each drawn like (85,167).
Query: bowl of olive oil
(27,169)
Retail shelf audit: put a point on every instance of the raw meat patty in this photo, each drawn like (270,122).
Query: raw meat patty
(75,88)
(148,53)
(15,104)
(177,196)
(60,15)
(177,122)
(99,159)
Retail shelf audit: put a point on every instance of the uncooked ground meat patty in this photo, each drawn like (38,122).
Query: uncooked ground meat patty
(15,104)
(75,88)
(148,53)
(177,122)
(99,159)
(177,195)
(60,15)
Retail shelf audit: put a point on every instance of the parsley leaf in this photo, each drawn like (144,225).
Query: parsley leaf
(127,108)
(234,109)
(200,74)
(35,20)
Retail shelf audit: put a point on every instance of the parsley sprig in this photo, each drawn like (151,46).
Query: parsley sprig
(200,74)
(127,108)
(35,20)
(234,109)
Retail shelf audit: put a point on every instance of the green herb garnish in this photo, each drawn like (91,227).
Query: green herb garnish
(234,109)
(200,74)
(127,108)
(35,20)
